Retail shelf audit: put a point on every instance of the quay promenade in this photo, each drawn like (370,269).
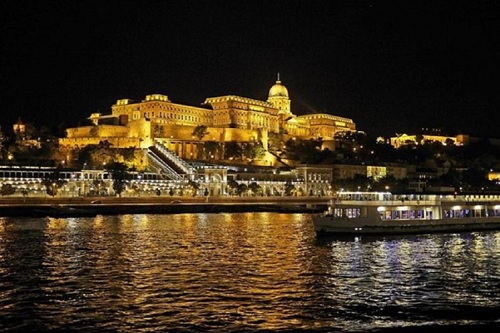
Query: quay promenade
(16,206)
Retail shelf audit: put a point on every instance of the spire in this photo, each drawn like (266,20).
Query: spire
(278,80)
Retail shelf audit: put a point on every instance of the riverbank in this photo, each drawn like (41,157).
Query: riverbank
(75,206)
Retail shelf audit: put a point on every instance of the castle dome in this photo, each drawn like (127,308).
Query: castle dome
(278,90)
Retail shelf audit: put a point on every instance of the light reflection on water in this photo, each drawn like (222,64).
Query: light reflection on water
(237,272)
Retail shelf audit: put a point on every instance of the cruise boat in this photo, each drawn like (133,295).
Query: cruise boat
(387,213)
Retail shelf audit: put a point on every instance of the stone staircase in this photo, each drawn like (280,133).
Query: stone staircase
(168,163)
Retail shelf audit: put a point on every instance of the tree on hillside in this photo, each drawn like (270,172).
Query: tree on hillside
(242,189)
(7,189)
(305,151)
(194,187)
(232,186)
(98,187)
(85,155)
(253,150)
(53,182)
(275,142)
(232,149)
(120,175)
(255,188)
(211,149)
(200,131)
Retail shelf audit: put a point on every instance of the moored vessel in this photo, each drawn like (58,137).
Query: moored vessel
(387,213)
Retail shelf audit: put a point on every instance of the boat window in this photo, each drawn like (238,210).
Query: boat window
(352,212)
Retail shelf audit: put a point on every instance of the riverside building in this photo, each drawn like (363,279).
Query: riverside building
(156,120)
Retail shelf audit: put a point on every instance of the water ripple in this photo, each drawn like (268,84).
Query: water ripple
(258,272)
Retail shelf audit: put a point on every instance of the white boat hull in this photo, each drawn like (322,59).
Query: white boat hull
(384,213)
(326,225)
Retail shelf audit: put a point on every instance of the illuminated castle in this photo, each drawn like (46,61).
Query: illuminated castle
(227,118)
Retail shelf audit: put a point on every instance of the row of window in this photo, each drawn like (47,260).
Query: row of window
(329,117)
(38,175)
(406,214)
(461,213)
(172,116)
(347,212)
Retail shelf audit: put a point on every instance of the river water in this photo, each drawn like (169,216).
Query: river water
(255,272)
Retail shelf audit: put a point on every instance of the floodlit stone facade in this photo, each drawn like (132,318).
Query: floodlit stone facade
(414,139)
(227,118)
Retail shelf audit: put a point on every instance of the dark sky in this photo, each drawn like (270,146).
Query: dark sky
(389,65)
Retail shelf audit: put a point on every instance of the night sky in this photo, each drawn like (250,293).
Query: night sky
(391,66)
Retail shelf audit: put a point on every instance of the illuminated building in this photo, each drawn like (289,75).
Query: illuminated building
(435,136)
(417,139)
(494,176)
(19,127)
(156,119)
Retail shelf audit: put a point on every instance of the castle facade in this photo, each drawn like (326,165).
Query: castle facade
(226,118)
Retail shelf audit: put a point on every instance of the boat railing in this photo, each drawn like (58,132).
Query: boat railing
(430,199)
(412,202)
